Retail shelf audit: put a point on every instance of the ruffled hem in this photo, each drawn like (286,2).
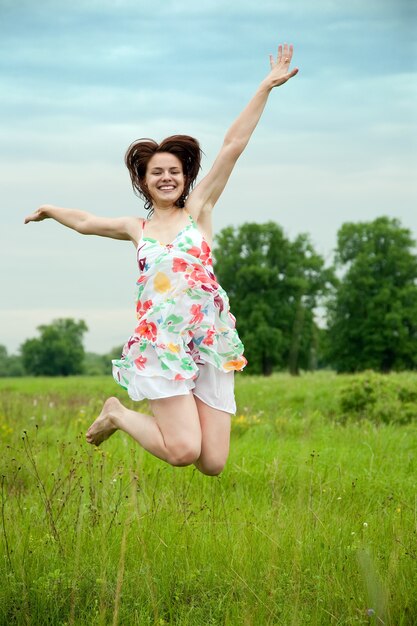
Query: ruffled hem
(149,370)
(212,390)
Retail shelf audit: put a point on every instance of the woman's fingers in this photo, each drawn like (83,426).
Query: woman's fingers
(34,217)
(285,52)
(280,69)
(293,73)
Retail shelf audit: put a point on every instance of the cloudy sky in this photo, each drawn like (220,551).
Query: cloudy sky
(81,80)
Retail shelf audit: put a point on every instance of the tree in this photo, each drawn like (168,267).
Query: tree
(101,364)
(10,364)
(373,316)
(4,357)
(95,364)
(58,351)
(273,286)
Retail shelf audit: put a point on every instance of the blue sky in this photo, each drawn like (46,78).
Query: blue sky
(81,80)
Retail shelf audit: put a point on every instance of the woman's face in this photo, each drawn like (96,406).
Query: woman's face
(164,178)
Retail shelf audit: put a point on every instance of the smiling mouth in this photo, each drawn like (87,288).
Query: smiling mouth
(166,188)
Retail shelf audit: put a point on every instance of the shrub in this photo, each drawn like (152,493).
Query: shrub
(380,398)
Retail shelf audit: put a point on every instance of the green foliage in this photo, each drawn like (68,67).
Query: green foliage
(96,364)
(311,522)
(100,364)
(380,399)
(373,316)
(274,286)
(10,364)
(58,351)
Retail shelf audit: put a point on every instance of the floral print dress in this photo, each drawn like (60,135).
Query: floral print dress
(183,319)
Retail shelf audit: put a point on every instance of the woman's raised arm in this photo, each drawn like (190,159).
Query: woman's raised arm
(208,191)
(126,228)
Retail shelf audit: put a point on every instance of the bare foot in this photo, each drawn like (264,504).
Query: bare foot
(103,427)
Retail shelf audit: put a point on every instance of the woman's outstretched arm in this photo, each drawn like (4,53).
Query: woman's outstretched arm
(208,191)
(126,228)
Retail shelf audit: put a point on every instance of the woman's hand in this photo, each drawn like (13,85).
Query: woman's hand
(280,73)
(39,215)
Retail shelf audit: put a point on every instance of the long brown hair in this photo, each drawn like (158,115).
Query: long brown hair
(185,148)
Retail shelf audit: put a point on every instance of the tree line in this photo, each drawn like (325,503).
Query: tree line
(58,351)
(276,287)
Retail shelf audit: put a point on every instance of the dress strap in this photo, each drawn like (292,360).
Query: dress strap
(190,217)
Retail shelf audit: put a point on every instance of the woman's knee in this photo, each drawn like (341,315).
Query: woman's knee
(212,466)
(184,453)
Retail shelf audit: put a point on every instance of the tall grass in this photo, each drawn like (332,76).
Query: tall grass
(313,521)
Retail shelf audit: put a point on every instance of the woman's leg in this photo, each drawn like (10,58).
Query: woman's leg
(215,439)
(172,434)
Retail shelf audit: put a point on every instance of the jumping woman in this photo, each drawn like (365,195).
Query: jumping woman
(185,349)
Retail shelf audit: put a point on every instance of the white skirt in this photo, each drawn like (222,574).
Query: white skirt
(213,386)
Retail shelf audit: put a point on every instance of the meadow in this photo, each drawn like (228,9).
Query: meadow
(312,522)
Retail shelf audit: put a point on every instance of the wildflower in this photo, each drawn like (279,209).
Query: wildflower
(365,525)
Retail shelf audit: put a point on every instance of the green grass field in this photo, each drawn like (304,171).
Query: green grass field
(313,521)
